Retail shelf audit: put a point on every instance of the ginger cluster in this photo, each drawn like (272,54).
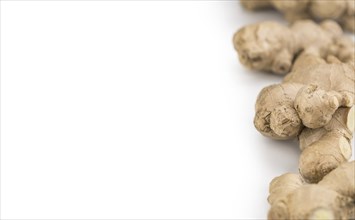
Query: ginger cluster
(313,104)
(342,11)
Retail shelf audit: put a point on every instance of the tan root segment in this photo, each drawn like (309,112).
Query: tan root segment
(324,149)
(315,100)
(308,96)
(314,103)
(332,198)
(342,11)
(273,47)
(320,113)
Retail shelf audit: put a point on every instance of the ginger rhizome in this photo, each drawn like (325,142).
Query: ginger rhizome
(342,11)
(308,96)
(273,47)
(332,198)
(315,100)
(314,103)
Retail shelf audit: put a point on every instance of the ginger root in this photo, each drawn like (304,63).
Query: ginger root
(325,148)
(332,198)
(315,103)
(342,11)
(273,47)
(308,96)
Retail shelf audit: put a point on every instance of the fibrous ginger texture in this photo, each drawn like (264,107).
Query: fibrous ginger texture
(273,47)
(342,11)
(332,198)
(315,104)
(314,101)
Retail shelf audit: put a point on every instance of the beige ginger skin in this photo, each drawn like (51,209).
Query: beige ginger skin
(314,101)
(270,46)
(324,149)
(332,198)
(342,11)
(308,96)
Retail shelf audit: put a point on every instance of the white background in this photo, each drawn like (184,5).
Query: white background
(132,110)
